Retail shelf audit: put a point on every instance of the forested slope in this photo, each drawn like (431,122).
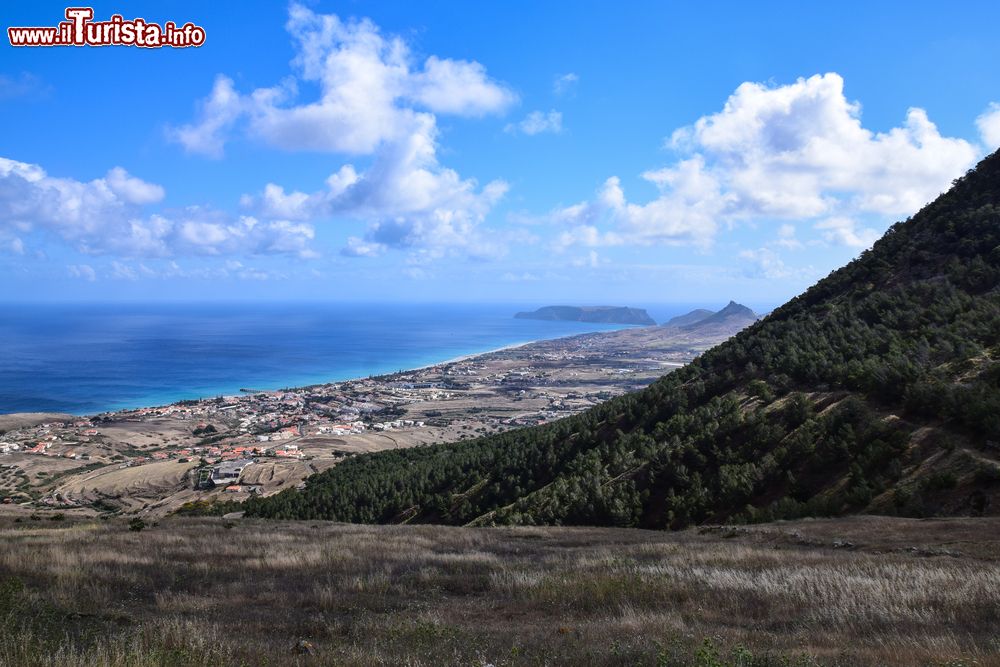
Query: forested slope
(877,390)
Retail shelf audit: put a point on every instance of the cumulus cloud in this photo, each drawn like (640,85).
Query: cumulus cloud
(409,200)
(132,190)
(374,100)
(208,233)
(537,122)
(370,87)
(989,126)
(786,237)
(845,231)
(405,181)
(77,211)
(685,213)
(800,150)
(218,112)
(459,87)
(792,152)
(106,215)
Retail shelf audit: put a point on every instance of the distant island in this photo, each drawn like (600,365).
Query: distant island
(599,314)
(733,314)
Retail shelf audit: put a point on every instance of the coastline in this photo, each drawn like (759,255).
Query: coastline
(293,384)
(461,358)
(98,359)
(296,386)
(43,415)
(140,459)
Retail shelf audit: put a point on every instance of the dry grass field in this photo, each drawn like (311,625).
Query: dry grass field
(27,419)
(860,591)
(135,482)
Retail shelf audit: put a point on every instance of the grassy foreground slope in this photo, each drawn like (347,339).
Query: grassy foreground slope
(837,592)
(877,390)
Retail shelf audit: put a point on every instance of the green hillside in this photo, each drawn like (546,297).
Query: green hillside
(877,390)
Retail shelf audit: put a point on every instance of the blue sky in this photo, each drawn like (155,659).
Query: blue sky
(647,153)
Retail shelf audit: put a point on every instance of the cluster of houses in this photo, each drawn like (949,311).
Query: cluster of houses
(39,439)
(284,433)
(225,453)
(273,416)
(397,423)
(351,428)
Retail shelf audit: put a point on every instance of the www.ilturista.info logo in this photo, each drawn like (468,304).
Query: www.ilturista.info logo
(79,29)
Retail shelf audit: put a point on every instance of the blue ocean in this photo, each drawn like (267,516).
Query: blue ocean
(84,359)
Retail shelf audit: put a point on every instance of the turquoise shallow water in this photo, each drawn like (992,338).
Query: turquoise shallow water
(87,359)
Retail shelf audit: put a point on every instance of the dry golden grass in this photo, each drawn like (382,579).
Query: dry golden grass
(194,591)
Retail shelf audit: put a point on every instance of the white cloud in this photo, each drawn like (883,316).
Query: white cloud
(841,230)
(374,100)
(565,83)
(588,236)
(205,233)
(537,122)
(357,247)
(82,271)
(105,215)
(77,211)
(408,198)
(217,115)
(786,237)
(133,190)
(11,244)
(989,126)
(685,213)
(459,87)
(766,263)
(800,151)
(786,152)
(370,92)
(121,271)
